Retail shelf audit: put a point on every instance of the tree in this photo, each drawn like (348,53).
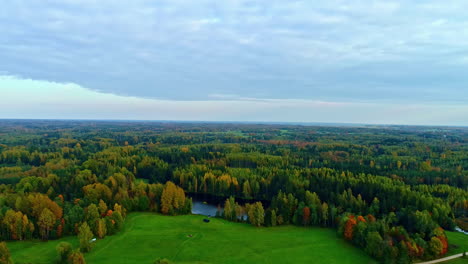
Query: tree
(375,206)
(92,216)
(64,249)
(172,199)
(256,213)
(116,220)
(73,218)
(246,190)
(76,257)
(240,212)
(435,246)
(37,202)
(85,235)
(324,213)
(374,244)
(46,223)
(97,191)
(17,225)
(101,228)
(259,214)
(5,257)
(167,198)
(359,233)
(273,218)
(102,207)
(230,209)
(349,227)
(306,215)
(439,232)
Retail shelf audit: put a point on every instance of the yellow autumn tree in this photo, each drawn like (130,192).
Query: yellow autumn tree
(46,222)
(172,198)
(101,228)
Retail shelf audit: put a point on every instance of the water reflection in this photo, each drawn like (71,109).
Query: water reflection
(203,208)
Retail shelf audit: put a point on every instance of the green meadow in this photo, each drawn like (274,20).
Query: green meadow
(187,239)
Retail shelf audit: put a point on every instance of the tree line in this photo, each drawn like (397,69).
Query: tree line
(395,189)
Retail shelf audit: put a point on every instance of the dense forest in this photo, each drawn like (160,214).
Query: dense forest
(390,190)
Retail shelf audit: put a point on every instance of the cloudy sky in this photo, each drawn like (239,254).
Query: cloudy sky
(397,62)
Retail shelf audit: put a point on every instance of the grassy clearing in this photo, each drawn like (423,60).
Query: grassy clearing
(37,251)
(147,237)
(458,242)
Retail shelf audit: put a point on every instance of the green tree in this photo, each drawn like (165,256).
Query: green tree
(375,207)
(85,235)
(64,249)
(246,190)
(256,213)
(435,246)
(324,214)
(273,218)
(92,216)
(374,245)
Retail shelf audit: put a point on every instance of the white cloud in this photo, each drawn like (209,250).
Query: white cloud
(25,98)
(185,50)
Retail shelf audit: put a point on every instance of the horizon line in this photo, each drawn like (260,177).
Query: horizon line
(306,123)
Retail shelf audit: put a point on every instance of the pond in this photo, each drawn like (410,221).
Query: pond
(200,207)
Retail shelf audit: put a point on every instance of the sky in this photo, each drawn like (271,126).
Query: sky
(376,62)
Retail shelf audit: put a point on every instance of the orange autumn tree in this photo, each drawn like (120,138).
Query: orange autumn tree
(306,215)
(414,250)
(60,227)
(439,232)
(361,219)
(349,227)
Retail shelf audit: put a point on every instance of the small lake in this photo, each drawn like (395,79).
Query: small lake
(200,207)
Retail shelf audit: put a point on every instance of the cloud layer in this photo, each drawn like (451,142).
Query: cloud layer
(29,99)
(391,52)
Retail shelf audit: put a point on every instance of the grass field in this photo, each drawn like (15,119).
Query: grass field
(147,237)
(456,261)
(461,242)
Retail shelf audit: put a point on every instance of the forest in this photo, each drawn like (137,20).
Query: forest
(392,191)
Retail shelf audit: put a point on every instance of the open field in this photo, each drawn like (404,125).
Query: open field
(461,241)
(147,237)
(458,239)
(456,261)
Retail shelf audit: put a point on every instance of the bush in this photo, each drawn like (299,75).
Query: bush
(5,257)
(63,251)
(162,261)
(76,257)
